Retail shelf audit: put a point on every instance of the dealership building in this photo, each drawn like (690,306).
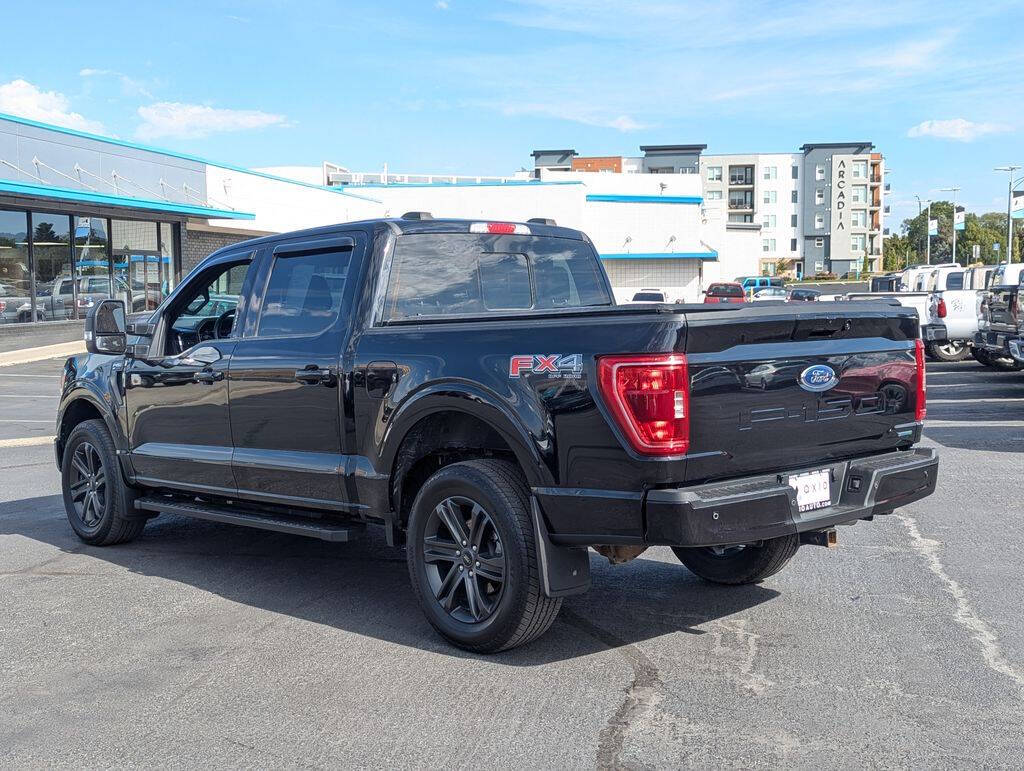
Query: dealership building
(84,216)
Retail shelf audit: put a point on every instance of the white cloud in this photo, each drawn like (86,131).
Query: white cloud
(577,113)
(441,5)
(191,121)
(19,97)
(957,129)
(129,86)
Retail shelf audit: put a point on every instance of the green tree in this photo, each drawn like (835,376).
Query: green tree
(984,230)
(897,253)
(44,232)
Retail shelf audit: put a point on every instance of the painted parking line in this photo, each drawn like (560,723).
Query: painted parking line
(25,420)
(973,424)
(28,441)
(30,396)
(18,374)
(966,402)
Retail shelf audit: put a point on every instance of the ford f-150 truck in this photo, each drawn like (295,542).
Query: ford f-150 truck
(473,388)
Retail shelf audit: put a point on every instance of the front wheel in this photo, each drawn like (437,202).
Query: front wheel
(472,557)
(956,350)
(742,564)
(98,503)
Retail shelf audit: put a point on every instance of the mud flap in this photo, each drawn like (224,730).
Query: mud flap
(564,570)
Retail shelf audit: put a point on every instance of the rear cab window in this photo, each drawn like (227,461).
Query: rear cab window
(464,274)
(725,291)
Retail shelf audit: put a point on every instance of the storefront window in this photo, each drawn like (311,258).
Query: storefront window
(136,261)
(51,257)
(14,274)
(166,259)
(92,265)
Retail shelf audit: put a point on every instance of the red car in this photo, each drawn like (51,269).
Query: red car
(724,292)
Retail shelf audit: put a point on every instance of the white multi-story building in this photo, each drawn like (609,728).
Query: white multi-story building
(818,210)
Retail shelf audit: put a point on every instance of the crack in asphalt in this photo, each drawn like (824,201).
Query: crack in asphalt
(964,614)
(639,694)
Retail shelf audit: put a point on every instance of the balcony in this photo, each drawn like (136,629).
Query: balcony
(741,206)
(741,176)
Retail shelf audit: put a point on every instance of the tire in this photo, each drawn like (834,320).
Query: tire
(739,564)
(981,356)
(949,351)
(503,614)
(102,513)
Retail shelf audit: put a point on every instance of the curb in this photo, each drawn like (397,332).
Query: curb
(39,353)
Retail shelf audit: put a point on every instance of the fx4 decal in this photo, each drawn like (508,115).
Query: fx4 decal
(555,364)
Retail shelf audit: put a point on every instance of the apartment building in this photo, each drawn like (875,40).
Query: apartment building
(819,210)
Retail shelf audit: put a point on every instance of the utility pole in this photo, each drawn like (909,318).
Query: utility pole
(954,190)
(1009,203)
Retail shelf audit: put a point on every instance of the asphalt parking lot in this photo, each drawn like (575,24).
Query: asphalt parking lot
(206,644)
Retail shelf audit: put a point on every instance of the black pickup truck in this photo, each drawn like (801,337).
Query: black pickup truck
(473,388)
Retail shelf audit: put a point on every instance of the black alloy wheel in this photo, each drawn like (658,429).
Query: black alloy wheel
(88,485)
(464,559)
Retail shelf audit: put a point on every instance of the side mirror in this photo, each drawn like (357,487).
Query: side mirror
(104,328)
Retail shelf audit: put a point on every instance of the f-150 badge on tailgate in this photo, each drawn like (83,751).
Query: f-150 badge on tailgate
(569,365)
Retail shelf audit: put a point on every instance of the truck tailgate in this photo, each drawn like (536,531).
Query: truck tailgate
(776,389)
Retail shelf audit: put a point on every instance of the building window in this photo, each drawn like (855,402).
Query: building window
(796,172)
(857,243)
(767,244)
(770,172)
(792,244)
(769,196)
(860,169)
(859,218)
(819,220)
(662,170)
(819,172)
(860,193)
(792,220)
(819,196)
(714,173)
(713,195)
(794,196)
(769,221)
(15,281)
(819,242)
(741,218)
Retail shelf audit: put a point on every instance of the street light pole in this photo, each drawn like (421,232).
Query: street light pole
(928,230)
(1009,204)
(954,190)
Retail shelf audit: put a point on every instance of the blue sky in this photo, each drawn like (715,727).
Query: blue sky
(454,86)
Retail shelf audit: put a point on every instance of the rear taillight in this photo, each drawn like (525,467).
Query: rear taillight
(3,306)
(940,308)
(649,398)
(921,409)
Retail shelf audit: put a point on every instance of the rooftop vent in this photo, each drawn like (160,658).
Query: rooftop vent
(417,215)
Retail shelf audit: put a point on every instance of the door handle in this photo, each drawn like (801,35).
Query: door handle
(314,375)
(208,376)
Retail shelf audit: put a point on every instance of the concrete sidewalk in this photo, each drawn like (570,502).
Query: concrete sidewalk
(40,352)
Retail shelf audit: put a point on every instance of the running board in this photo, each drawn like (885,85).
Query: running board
(326,531)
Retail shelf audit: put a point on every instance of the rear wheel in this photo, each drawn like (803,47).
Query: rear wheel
(472,557)
(949,351)
(99,505)
(741,564)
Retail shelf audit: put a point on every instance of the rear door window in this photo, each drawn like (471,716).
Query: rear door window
(304,292)
(955,280)
(455,274)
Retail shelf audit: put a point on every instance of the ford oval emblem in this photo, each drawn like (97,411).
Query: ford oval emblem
(820,377)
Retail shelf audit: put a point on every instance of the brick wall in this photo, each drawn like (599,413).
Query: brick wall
(197,244)
(598,163)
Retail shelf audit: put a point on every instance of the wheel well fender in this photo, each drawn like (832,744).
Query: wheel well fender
(445,424)
(78,407)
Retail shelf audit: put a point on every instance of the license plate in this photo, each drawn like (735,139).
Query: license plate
(813,490)
(1000,339)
